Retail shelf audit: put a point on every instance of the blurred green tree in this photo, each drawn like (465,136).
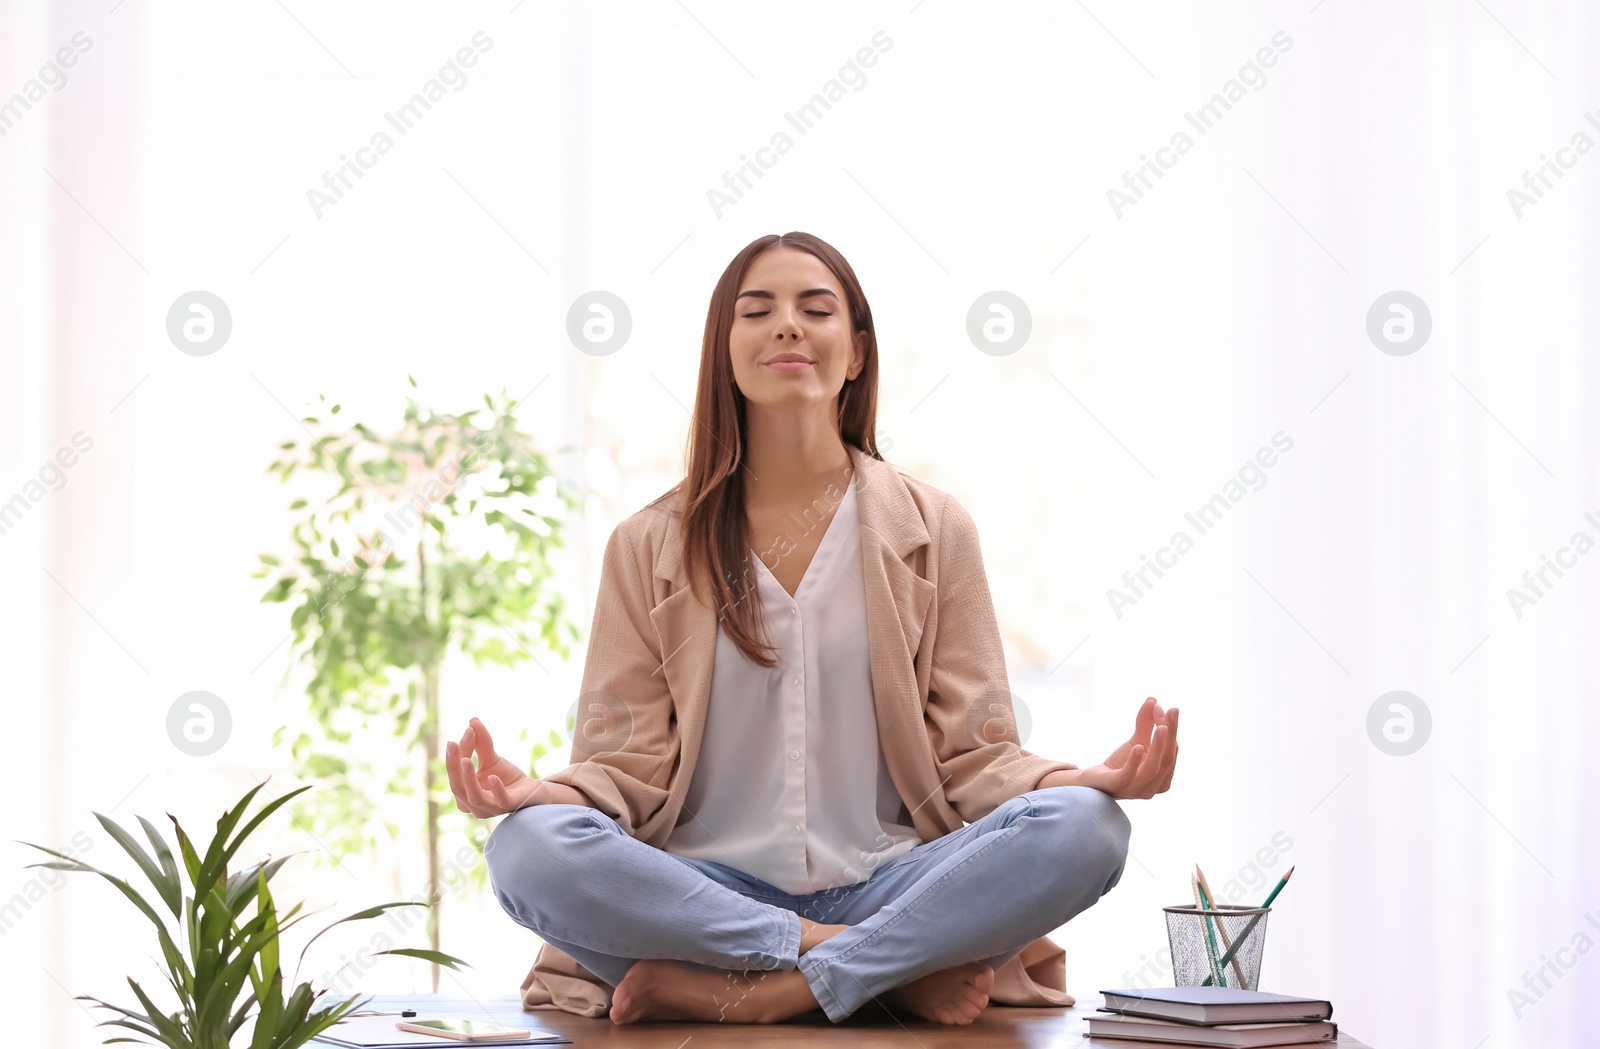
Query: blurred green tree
(440,535)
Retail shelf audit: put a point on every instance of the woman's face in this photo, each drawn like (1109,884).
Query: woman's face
(790,304)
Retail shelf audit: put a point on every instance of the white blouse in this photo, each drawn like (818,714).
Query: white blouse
(791,786)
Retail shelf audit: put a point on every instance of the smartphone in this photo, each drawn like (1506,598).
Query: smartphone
(462,1030)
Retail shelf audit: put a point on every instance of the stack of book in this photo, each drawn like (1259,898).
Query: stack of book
(1225,1016)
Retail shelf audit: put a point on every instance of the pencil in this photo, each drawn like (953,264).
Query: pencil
(1250,925)
(1209,900)
(1211,940)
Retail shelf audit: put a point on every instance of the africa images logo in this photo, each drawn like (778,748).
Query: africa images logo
(1252,75)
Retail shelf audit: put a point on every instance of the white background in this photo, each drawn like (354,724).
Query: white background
(1168,344)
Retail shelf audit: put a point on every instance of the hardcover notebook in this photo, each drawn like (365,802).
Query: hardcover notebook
(1215,1005)
(1233,1036)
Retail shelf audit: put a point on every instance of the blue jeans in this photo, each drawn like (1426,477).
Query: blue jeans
(572,875)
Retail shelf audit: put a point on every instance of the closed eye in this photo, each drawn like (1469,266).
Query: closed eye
(763,313)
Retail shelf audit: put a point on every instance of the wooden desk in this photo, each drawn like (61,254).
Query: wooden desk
(871,1027)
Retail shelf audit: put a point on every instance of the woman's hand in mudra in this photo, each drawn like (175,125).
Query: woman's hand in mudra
(1142,766)
(495,786)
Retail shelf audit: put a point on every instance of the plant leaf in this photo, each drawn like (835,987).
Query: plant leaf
(370,912)
(206,875)
(171,1033)
(169,866)
(317,1022)
(269,950)
(191,862)
(242,883)
(219,853)
(122,886)
(437,957)
(242,1014)
(110,1005)
(146,1031)
(171,892)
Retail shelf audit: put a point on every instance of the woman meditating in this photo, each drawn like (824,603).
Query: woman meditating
(796,783)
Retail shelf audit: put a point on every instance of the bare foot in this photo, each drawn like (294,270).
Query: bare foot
(661,989)
(956,995)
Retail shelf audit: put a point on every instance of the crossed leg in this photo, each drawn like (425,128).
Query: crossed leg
(907,936)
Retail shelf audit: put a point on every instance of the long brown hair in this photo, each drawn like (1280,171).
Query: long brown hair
(715,531)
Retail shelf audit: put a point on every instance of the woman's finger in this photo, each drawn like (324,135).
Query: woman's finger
(453,770)
(460,767)
(1171,763)
(1129,774)
(1172,766)
(475,799)
(1155,768)
(485,742)
(1144,720)
(1172,753)
(502,800)
(1172,736)
(1159,746)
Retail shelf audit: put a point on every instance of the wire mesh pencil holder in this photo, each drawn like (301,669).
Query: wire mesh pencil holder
(1200,939)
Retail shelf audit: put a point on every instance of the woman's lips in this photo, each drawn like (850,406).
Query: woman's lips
(789,366)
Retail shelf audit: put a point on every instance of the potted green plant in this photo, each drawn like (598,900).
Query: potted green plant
(229,927)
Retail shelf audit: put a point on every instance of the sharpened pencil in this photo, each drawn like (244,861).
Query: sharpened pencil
(1250,925)
(1210,900)
(1211,940)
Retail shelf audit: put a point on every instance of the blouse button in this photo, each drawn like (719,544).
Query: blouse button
(794,754)
(796,681)
(793,611)
(795,828)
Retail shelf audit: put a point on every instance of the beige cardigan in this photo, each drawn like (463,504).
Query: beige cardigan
(939,685)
